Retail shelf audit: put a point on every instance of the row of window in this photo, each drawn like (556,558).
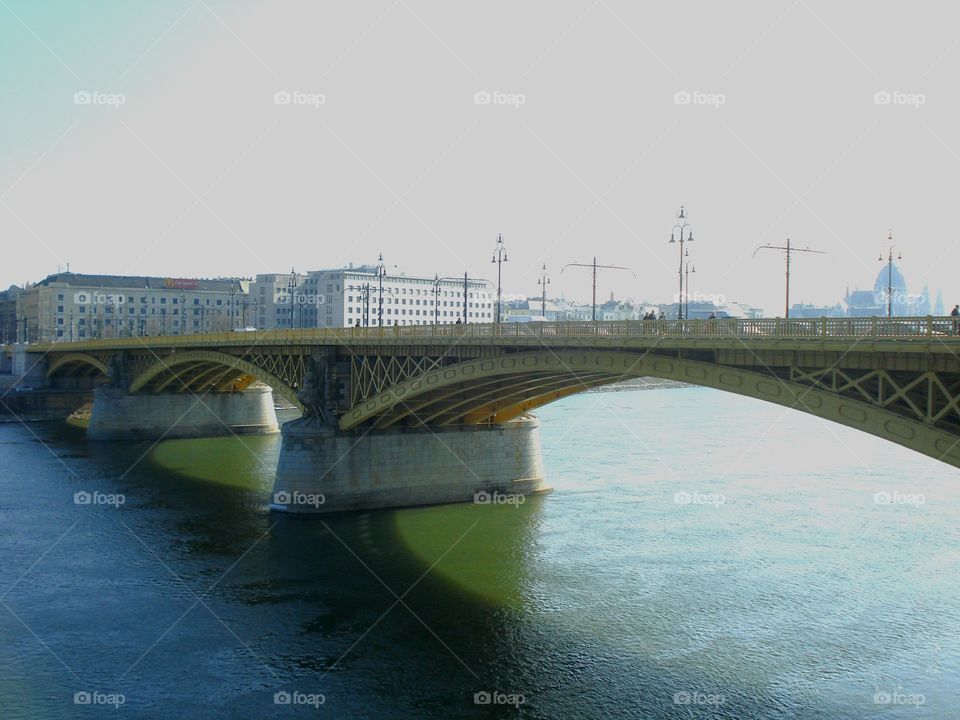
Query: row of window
(83,298)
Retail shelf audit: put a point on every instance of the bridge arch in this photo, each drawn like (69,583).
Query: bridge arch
(498,389)
(72,363)
(199,370)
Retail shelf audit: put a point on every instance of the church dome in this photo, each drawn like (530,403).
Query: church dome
(883,280)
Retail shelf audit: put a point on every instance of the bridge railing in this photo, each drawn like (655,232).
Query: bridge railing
(871,328)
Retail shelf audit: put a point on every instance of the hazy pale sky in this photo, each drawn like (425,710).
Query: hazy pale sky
(585,147)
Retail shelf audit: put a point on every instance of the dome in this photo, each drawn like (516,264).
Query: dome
(883,280)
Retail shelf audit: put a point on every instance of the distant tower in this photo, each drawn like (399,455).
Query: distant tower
(924,306)
(938,308)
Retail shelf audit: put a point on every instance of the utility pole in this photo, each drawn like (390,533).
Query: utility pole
(787,249)
(466,288)
(595,267)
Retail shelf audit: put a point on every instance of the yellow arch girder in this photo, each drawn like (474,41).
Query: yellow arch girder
(864,416)
(61,361)
(461,397)
(203,357)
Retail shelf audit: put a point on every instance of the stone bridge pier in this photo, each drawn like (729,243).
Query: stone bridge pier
(324,468)
(119,415)
(176,404)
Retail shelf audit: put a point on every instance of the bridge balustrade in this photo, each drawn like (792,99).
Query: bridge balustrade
(939,328)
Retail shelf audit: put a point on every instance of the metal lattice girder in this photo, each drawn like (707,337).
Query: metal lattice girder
(370,375)
(929,397)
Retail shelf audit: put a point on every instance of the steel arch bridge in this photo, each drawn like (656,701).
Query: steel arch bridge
(897,378)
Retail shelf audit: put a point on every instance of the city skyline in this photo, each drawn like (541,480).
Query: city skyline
(204,141)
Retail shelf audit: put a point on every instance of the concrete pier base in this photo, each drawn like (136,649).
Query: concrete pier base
(117,415)
(324,470)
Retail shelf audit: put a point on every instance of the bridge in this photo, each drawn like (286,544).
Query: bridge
(473,387)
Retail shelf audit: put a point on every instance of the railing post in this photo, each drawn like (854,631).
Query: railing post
(874,327)
(823,326)
(929,326)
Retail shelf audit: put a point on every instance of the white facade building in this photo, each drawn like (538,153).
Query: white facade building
(352,296)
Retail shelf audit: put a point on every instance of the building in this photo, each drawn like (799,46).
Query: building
(352,296)
(271,301)
(890,294)
(71,306)
(9,321)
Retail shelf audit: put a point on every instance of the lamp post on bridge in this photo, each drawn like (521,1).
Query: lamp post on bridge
(543,281)
(436,299)
(595,267)
(890,273)
(291,292)
(787,249)
(686,235)
(381,274)
(499,257)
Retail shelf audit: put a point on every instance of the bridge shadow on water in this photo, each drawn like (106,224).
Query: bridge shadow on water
(395,613)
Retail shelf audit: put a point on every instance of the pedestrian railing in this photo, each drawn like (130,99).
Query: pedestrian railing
(866,328)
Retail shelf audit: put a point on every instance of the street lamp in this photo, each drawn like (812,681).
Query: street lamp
(381,274)
(499,257)
(183,312)
(543,281)
(890,273)
(436,299)
(686,235)
(291,292)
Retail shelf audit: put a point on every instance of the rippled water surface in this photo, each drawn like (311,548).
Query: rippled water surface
(703,555)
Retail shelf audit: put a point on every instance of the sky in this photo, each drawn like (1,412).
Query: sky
(212,138)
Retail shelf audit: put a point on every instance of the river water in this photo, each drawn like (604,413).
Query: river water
(702,555)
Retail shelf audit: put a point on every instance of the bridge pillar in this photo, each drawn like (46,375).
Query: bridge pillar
(118,415)
(323,469)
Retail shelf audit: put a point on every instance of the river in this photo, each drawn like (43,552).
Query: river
(702,555)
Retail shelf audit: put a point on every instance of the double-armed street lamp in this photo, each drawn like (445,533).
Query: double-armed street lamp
(685,235)
(543,281)
(890,273)
(499,257)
